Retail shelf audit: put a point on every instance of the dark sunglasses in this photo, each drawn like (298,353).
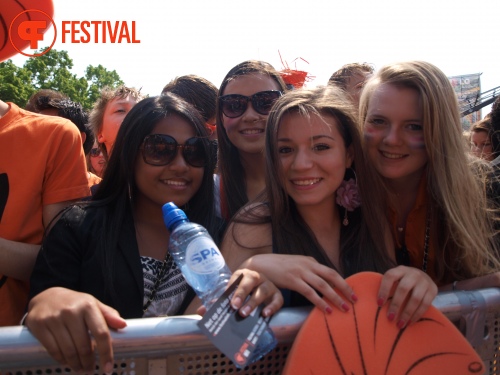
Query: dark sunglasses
(161,149)
(234,105)
(95,152)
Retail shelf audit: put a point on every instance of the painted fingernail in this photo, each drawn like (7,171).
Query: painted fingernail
(354,298)
(401,324)
(328,309)
(266,312)
(236,303)
(391,316)
(345,307)
(245,311)
(380,302)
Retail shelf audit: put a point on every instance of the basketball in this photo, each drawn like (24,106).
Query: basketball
(9,12)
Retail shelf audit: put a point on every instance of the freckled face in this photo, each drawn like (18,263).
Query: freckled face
(481,146)
(394,134)
(313,158)
(175,182)
(115,112)
(246,132)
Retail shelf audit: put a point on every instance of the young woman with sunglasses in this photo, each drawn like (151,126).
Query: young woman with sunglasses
(246,96)
(107,259)
(315,227)
(434,199)
(96,161)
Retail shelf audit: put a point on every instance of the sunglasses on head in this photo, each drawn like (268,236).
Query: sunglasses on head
(161,149)
(95,152)
(234,105)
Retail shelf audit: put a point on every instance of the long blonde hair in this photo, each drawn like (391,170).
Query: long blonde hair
(456,188)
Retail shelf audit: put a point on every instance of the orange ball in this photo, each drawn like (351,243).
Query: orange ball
(9,12)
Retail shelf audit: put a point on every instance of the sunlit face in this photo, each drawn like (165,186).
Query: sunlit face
(114,113)
(246,132)
(98,162)
(394,133)
(175,182)
(480,145)
(313,157)
(355,84)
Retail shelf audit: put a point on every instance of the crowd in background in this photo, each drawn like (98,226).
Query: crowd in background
(300,187)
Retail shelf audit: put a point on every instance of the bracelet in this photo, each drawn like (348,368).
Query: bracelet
(454,285)
(23,319)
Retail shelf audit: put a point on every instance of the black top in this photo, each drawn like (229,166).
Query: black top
(69,258)
(291,298)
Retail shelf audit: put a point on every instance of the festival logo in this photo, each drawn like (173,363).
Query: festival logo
(28,28)
(22,24)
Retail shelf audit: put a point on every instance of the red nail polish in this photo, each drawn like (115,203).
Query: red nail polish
(354,298)
(345,307)
(401,324)
(380,302)
(328,309)
(391,316)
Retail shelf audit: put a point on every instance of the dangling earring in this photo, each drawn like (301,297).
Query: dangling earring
(346,220)
(348,196)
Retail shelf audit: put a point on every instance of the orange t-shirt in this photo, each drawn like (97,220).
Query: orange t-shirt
(415,232)
(41,163)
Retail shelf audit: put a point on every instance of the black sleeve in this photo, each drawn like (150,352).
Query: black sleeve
(60,258)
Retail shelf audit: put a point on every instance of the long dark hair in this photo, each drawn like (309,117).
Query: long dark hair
(118,188)
(359,248)
(233,194)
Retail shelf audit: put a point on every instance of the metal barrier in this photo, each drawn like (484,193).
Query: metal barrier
(175,345)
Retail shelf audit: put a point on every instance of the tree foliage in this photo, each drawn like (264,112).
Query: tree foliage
(53,71)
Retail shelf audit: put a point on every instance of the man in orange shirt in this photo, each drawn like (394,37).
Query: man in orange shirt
(42,170)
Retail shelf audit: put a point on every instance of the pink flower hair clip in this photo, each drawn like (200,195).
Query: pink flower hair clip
(348,197)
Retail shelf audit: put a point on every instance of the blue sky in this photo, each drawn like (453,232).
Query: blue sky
(209,37)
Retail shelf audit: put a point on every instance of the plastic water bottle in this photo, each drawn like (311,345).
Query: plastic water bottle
(202,265)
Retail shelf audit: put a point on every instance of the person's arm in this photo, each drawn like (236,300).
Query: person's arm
(480,282)
(318,283)
(249,246)
(253,283)
(242,241)
(59,315)
(63,320)
(18,258)
(409,292)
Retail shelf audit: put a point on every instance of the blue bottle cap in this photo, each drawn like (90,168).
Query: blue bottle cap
(172,214)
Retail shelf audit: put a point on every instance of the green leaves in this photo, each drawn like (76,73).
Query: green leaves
(53,71)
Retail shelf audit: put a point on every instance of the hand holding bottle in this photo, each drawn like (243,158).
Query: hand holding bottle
(204,268)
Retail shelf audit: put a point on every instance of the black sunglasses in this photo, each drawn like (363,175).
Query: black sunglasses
(161,149)
(234,105)
(95,152)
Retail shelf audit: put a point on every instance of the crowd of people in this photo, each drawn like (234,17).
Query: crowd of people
(300,188)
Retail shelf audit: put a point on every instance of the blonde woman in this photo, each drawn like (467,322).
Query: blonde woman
(436,206)
(315,228)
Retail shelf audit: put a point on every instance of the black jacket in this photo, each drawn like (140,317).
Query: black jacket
(69,258)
